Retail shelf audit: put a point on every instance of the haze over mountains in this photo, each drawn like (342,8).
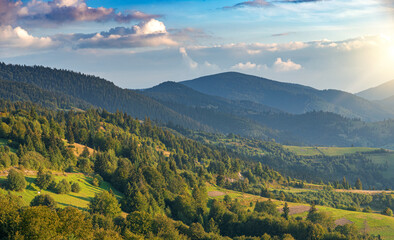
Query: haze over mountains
(227,103)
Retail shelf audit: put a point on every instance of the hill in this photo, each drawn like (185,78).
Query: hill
(226,116)
(380,92)
(93,90)
(291,98)
(19,91)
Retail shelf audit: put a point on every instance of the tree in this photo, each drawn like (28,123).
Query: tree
(267,207)
(63,187)
(16,180)
(312,211)
(358,184)
(105,203)
(387,212)
(43,200)
(43,179)
(286,211)
(75,188)
(139,222)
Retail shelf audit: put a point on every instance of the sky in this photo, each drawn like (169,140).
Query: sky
(326,44)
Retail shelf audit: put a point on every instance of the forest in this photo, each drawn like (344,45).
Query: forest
(161,174)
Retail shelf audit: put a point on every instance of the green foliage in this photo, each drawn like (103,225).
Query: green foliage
(75,187)
(43,200)
(266,207)
(63,187)
(387,212)
(105,203)
(286,211)
(16,180)
(139,222)
(43,179)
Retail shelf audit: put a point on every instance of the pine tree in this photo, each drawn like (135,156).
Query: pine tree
(358,184)
(286,211)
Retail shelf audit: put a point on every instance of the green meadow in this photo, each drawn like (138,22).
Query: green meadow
(79,200)
(373,223)
(328,151)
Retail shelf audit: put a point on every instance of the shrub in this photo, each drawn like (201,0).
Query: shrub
(63,187)
(43,179)
(16,180)
(105,203)
(75,188)
(97,180)
(43,200)
(387,212)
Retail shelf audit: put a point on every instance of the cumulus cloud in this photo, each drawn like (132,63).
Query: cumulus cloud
(189,61)
(19,38)
(152,33)
(247,66)
(281,66)
(253,3)
(50,13)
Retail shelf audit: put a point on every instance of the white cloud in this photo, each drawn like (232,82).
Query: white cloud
(190,62)
(245,66)
(281,66)
(146,34)
(19,38)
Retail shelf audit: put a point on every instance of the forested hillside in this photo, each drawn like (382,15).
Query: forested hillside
(161,176)
(291,98)
(95,91)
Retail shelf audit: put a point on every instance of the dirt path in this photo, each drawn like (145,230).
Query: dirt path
(342,222)
(296,209)
(216,194)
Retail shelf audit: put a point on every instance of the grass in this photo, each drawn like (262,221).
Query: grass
(374,223)
(382,158)
(328,151)
(79,200)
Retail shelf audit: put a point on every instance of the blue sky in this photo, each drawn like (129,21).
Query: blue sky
(346,45)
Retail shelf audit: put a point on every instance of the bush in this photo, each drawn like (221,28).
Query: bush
(75,188)
(367,209)
(105,203)
(267,207)
(387,212)
(63,187)
(97,180)
(16,180)
(43,179)
(43,200)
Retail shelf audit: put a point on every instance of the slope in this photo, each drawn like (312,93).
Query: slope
(227,116)
(96,91)
(18,91)
(292,98)
(380,92)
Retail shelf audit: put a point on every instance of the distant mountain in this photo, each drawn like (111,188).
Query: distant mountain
(383,91)
(288,97)
(226,116)
(96,91)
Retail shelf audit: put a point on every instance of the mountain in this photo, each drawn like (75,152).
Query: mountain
(18,91)
(95,91)
(226,116)
(288,97)
(383,91)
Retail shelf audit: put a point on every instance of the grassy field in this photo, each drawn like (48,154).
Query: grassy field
(79,200)
(382,158)
(328,151)
(371,222)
